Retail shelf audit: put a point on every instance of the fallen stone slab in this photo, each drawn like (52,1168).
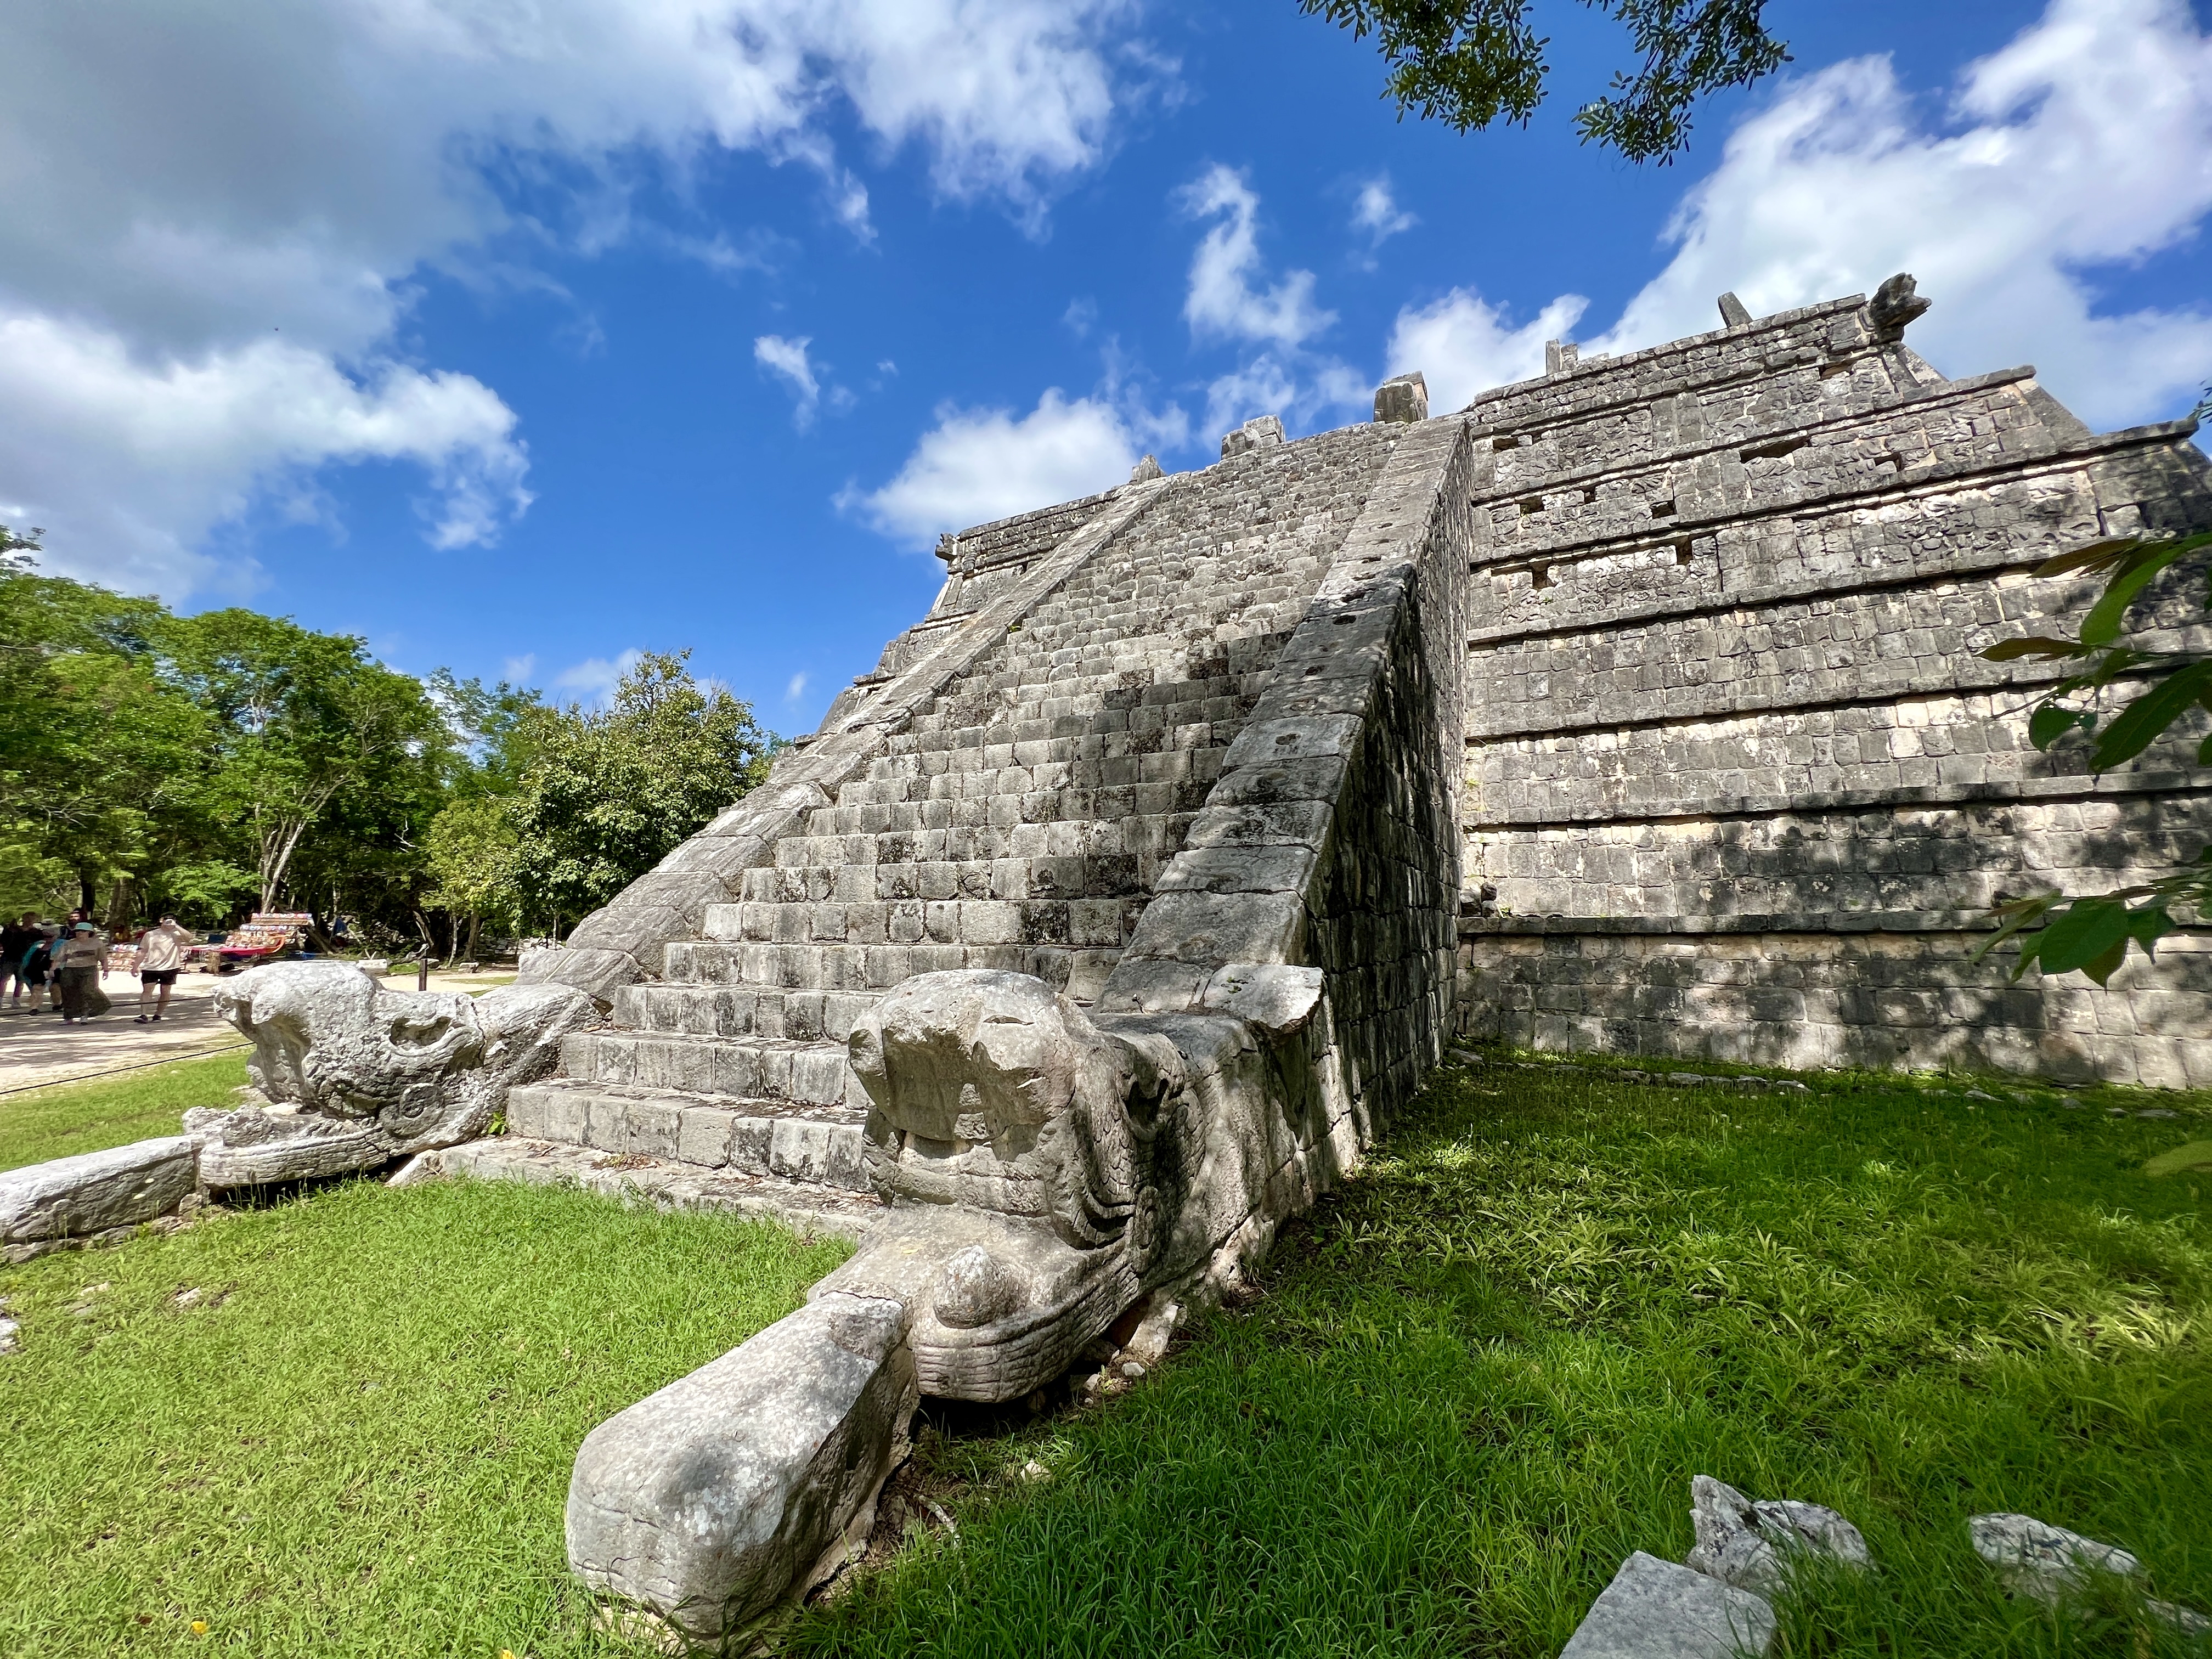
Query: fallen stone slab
(96,1191)
(1749,1541)
(1654,1609)
(2042,1562)
(664,1183)
(751,1479)
(2049,1564)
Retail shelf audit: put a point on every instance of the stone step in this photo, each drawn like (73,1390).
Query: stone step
(865,836)
(1177,754)
(747,1069)
(776,1138)
(875,968)
(726,1009)
(1093,923)
(667,1183)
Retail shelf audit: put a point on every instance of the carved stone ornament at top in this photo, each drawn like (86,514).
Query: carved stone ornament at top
(1895,305)
(352,1075)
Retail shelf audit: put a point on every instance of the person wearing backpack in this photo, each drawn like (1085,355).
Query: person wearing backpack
(38,967)
(16,939)
(78,956)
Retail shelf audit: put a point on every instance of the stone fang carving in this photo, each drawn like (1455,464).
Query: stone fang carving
(354,1075)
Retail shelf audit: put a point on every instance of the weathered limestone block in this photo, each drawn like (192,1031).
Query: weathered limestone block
(1258,433)
(750,1477)
(1403,397)
(1748,1542)
(1654,1609)
(355,1075)
(2044,1563)
(71,1197)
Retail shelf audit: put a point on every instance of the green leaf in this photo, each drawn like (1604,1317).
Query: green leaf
(2016,915)
(2102,625)
(2034,645)
(2096,556)
(2137,725)
(2105,963)
(2089,928)
(2050,722)
(2189,1159)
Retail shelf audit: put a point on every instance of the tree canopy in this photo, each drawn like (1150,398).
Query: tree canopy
(1472,63)
(214,764)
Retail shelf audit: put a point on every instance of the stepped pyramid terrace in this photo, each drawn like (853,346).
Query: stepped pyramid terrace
(1632,709)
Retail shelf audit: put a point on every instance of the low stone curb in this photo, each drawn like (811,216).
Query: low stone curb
(1741,1085)
(98,1198)
(632,1178)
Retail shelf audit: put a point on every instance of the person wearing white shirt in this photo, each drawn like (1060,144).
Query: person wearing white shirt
(161,954)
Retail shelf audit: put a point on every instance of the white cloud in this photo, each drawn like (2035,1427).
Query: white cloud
(1230,298)
(1375,211)
(2086,140)
(1222,302)
(179,188)
(138,461)
(787,359)
(796,689)
(517,670)
(977,465)
(1463,344)
(593,680)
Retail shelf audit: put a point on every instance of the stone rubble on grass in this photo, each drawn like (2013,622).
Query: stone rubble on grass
(1747,1542)
(1654,1609)
(8,1329)
(2049,1564)
(2043,1562)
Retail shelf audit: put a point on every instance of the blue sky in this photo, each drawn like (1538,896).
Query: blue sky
(516,338)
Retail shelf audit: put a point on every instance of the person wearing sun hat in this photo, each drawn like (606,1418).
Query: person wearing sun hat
(77,957)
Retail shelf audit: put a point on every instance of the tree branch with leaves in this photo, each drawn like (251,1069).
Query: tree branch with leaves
(1470,63)
(2123,696)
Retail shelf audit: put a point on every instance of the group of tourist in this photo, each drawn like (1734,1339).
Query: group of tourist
(72,956)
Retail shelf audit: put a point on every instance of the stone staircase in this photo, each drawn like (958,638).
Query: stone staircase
(1019,820)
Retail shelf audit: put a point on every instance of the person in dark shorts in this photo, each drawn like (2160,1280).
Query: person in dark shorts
(16,938)
(161,954)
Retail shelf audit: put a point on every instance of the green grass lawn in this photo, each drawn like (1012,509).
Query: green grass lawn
(1485,1372)
(1470,1385)
(111,1111)
(356,1438)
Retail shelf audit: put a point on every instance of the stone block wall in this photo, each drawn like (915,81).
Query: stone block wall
(1737,785)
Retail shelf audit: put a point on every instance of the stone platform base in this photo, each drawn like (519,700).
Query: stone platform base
(664,1183)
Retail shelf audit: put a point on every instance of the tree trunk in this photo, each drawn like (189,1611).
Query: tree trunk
(473,919)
